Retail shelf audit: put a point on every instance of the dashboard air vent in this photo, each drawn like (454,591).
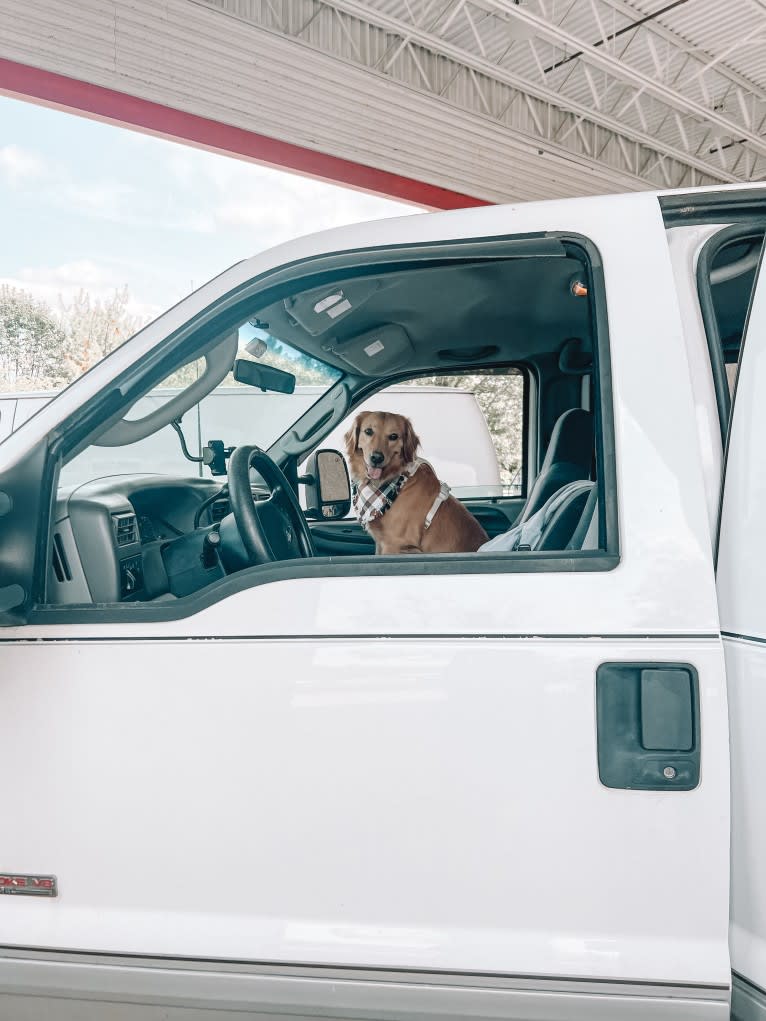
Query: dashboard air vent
(125,529)
(59,560)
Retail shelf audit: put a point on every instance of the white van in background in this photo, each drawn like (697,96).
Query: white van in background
(453,431)
(454,436)
(16,408)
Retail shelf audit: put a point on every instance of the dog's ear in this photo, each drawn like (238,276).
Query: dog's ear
(352,437)
(410,442)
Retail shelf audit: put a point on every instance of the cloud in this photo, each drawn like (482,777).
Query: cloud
(124,204)
(81,273)
(20,166)
(192,190)
(182,214)
(98,199)
(274,205)
(53,183)
(61,284)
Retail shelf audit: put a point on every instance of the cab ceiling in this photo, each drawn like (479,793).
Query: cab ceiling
(521,308)
(503,100)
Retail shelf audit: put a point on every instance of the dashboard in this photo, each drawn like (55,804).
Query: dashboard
(132,538)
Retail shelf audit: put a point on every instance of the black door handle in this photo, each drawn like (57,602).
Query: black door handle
(648,727)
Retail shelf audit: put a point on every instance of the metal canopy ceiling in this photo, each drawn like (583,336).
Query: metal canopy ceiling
(668,93)
(500,99)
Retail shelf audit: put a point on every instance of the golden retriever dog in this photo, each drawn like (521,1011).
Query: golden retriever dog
(398,498)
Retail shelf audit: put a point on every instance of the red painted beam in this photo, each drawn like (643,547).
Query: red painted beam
(71,94)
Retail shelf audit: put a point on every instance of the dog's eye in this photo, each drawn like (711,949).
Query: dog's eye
(394,436)
(368,432)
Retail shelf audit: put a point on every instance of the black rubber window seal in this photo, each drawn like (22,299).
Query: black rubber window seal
(755,228)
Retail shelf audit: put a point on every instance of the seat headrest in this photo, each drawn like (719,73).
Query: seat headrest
(572,440)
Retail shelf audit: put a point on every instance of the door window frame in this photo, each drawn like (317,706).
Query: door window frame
(186,342)
(734,232)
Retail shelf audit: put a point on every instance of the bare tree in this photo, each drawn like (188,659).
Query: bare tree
(95,327)
(44,350)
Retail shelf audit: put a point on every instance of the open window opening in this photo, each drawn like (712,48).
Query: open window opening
(496,353)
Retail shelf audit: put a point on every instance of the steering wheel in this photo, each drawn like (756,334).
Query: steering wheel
(271,529)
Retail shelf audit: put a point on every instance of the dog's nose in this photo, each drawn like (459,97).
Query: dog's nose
(376,458)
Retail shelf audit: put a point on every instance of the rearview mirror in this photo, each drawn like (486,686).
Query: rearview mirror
(266,377)
(328,489)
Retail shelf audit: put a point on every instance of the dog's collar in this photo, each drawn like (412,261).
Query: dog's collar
(371,502)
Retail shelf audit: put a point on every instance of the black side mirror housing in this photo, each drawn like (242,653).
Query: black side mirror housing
(328,488)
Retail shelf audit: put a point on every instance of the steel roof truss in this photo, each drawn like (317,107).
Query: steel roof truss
(593,83)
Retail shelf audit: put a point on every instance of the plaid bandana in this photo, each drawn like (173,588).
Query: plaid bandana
(371,501)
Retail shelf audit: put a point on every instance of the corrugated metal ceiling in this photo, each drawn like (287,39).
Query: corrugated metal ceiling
(500,99)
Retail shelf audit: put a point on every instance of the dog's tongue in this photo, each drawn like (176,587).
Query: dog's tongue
(374,473)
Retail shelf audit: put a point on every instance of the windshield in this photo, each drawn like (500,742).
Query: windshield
(233,413)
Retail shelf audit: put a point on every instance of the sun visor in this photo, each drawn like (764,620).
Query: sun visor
(376,351)
(322,308)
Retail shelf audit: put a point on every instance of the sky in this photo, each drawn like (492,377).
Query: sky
(89,205)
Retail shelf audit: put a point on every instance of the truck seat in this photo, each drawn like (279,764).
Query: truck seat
(569,457)
(563,520)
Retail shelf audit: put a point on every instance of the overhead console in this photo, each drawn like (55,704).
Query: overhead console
(323,308)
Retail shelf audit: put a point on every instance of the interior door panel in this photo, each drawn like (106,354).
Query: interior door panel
(347,537)
(341,538)
(495,516)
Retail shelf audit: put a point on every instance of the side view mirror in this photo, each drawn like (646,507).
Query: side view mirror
(328,488)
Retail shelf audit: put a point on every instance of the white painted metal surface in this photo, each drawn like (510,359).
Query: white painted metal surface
(430,802)
(501,100)
(746,678)
(742,552)
(685,244)
(741,565)
(419,804)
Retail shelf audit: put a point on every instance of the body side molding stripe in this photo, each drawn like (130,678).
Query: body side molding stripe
(359,994)
(743,638)
(358,636)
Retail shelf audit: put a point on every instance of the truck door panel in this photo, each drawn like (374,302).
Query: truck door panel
(394,778)
(741,566)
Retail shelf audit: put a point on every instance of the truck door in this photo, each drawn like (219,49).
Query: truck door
(741,573)
(365,788)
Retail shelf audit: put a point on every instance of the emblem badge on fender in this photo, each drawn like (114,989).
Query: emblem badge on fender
(30,886)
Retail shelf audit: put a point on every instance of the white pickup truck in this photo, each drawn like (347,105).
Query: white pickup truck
(253,770)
